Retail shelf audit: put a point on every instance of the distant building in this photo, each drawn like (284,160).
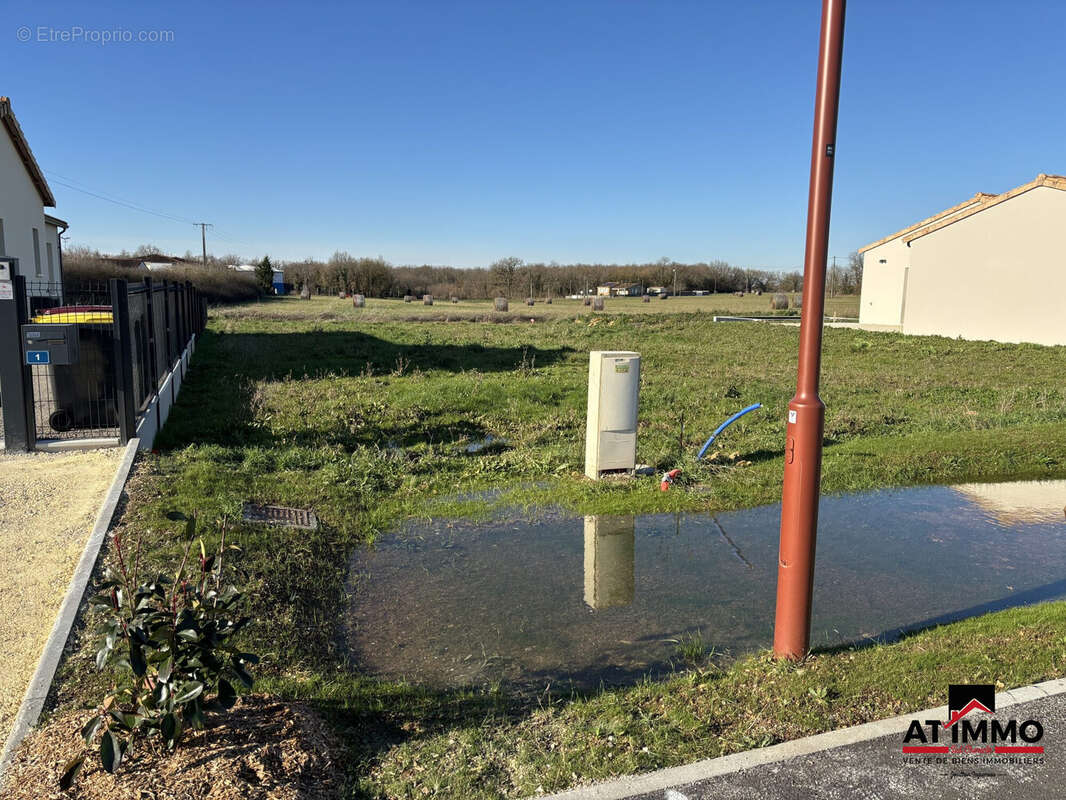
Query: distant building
(149,261)
(987,268)
(277,281)
(616,289)
(26,231)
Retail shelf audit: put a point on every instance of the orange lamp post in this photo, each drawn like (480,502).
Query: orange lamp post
(806,412)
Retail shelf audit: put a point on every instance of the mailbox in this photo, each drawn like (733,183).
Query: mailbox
(53,343)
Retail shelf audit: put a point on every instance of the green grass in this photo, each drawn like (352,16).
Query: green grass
(365,418)
(377,309)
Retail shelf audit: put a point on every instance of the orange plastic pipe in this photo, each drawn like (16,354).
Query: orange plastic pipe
(806,412)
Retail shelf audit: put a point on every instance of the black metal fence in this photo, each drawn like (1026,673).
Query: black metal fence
(130,335)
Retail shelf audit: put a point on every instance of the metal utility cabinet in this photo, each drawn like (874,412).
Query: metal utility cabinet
(611,432)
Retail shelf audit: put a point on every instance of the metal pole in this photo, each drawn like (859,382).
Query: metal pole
(806,412)
(16,379)
(125,407)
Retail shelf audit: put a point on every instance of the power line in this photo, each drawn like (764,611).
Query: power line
(71,183)
(117,201)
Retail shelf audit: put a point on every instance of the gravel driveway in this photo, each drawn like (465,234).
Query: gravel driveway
(48,504)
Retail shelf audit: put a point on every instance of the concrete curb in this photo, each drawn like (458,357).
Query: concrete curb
(662,779)
(37,692)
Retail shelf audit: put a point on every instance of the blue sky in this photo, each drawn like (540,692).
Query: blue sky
(457,133)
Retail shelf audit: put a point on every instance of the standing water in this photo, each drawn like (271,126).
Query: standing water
(609,599)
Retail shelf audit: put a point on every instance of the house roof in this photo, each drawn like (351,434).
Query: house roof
(59,223)
(22,146)
(1051,181)
(980,197)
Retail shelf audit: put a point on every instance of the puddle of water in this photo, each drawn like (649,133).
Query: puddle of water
(490,442)
(605,599)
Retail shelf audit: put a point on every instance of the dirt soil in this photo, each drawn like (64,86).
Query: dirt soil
(48,504)
(262,750)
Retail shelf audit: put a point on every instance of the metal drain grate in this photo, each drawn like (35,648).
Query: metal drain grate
(280,515)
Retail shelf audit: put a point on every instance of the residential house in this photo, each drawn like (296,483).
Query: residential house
(26,231)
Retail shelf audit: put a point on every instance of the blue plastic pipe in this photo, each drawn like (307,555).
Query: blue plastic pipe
(725,425)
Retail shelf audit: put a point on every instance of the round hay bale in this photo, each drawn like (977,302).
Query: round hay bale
(663,296)
(455,299)
(358,301)
(779,302)
(529,301)
(587,301)
(548,301)
(500,304)
(797,300)
(408,298)
(645,298)
(427,299)
(597,304)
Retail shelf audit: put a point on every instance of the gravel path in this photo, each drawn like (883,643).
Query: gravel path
(48,504)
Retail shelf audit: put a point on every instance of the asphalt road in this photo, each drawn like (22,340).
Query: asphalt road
(875,770)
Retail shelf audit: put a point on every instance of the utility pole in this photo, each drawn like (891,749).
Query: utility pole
(675,281)
(806,412)
(203,237)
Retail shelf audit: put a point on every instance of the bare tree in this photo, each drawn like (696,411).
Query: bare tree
(504,270)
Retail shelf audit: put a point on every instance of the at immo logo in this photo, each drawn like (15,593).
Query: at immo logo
(965,731)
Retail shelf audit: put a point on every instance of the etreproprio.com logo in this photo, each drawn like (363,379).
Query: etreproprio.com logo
(77,34)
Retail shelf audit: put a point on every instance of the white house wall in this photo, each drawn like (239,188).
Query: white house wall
(881,299)
(999,274)
(51,236)
(21,210)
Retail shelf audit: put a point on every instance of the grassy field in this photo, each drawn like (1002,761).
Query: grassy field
(364,415)
(843,306)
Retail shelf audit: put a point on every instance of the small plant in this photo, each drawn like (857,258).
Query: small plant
(169,641)
(691,649)
(528,365)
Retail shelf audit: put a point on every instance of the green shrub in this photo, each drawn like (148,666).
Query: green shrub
(219,285)
(170,643)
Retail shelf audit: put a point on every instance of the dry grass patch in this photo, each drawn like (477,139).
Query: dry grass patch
(48,503)
(261,750)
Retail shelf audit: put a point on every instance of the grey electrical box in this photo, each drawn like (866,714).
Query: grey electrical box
(50,343)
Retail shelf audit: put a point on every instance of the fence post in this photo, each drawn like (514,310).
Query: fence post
(189,326)
(149,313)
(120,329)
(166,324)
(20,432)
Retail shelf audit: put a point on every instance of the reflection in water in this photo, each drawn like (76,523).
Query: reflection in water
(1024,501)
(598,599)
(609,566)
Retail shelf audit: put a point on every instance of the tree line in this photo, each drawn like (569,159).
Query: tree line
(513,277)
(510,277)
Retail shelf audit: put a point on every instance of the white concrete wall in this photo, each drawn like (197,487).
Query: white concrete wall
(51,237)
(881,300)
(883,285)
(21,210)
(999,274)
